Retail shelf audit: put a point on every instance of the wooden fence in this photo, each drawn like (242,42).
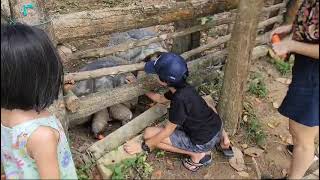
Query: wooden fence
(66,27)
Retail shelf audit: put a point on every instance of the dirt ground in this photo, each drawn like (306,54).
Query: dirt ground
(274,162)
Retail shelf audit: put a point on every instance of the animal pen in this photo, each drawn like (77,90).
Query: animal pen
(244,20)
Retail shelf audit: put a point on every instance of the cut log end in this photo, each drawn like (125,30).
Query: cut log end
(72,101)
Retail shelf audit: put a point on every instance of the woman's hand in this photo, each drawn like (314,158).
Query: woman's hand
(283,48)
(282,30)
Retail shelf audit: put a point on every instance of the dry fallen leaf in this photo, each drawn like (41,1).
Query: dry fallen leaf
(275,105)
(284,80)
(237,161)
(157,174)
(245,118)
(170,164)
(271,125)
(289,140)
(244,146)
(253,152)
(243,174)
(284,172)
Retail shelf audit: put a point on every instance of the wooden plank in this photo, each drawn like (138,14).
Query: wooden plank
(114,157)
(127,131)
(106,21)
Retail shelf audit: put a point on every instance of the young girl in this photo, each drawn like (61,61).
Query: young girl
(194,128)
(33,143)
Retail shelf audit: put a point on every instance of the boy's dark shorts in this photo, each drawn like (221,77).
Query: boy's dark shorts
(180,140)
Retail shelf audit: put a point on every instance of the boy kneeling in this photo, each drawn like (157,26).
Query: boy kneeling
(194,128)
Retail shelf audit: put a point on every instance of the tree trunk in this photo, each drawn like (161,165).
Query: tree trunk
(236,71)
(106,21)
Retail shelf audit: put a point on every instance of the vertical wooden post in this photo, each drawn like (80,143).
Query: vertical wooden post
(236,70)
(188,42)
(292,9)
(33,12)
(5,11)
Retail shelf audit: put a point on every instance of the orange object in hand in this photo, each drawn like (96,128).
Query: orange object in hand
(275,38)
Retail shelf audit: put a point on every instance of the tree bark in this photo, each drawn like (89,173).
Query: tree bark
(236,70)
(98,22)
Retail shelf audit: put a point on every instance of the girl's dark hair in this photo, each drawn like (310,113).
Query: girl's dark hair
(31,70)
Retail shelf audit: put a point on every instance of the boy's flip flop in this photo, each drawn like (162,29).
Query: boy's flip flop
(226,152)
(188,163)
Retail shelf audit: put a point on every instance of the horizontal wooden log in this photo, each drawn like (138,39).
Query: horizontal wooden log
(105,21)
(71,77)
(219,41)
(275,7)
(102,52)
(127,131)
(276,19)
(78,76)
(100,100)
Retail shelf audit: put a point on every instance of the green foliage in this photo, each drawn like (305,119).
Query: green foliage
(160,153)
(283,67)
(212,88)
(83,172)
(257,86)
(254,130)
(138,164)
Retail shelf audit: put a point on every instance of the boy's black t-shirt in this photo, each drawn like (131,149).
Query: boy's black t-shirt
(189,110)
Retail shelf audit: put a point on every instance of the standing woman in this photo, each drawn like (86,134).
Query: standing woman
(301,104)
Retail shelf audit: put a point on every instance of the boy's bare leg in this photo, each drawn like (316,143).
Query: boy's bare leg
(167,145)
(224,142)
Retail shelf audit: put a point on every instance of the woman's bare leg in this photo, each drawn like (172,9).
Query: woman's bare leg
(303,151)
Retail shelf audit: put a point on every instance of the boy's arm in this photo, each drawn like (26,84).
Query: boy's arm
(157,97)
(42,146)
(168,130)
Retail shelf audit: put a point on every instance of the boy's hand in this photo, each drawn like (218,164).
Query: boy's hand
(132,147)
